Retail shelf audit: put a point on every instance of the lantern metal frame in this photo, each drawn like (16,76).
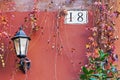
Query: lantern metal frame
(24,63)
(21,35)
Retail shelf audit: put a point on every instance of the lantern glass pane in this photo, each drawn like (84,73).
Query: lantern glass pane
(23,44)
(27,43)
(17,46)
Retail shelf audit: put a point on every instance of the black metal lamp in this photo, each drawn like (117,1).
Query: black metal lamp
(21,41)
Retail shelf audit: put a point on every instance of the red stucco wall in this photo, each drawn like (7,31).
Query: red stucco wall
(47,62)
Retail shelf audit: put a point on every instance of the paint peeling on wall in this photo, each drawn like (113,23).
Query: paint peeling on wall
(51,5)
(24,5)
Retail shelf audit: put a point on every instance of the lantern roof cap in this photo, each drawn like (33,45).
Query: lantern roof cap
(20,34)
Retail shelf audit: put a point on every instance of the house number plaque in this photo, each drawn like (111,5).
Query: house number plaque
(76,17)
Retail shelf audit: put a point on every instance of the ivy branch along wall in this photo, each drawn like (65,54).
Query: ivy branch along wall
(101,46)
(48,46)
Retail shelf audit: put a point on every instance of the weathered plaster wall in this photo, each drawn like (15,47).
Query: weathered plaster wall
(47,62)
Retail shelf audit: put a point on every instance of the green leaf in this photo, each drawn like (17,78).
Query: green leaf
(102,55)
(113,69)
(96,75)
(93,79)
(83,76)
(91,71)
(85,70)
(99,75)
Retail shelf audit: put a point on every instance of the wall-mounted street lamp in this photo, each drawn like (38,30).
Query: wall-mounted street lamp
(21,41)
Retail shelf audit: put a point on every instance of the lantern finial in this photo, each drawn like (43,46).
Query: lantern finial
(21,27)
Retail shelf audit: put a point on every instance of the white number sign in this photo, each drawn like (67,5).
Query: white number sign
(76,17)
